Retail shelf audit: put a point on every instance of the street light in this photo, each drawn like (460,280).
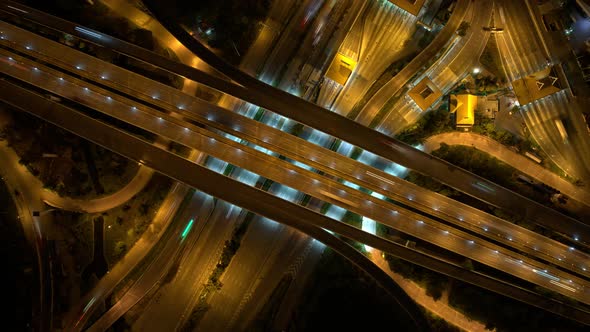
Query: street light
(476,70)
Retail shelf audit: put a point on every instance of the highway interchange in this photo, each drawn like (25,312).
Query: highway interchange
(525,53)
(259,202)
(295,177)
(306,153)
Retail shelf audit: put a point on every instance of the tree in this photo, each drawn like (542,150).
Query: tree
(143,209)
(120,249)
(468,264)
(463,27)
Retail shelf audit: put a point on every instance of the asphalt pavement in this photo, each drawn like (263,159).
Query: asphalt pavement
(260,164)
(264,204)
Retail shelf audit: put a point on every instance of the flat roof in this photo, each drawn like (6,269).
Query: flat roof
(425,93)
(536,86)
(411,6)
(341,68)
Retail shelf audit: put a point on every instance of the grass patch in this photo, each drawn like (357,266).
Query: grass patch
(487,167)
(431,184)
(497,171)
(490,59)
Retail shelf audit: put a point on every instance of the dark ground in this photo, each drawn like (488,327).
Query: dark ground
(19,271)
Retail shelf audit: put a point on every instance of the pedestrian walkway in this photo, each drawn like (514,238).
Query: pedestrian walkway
(520,162)
(440,308)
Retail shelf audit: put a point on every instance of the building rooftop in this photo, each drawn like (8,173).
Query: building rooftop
(411,6)
(463,106)
(425,93)
(536,86)
(341,68)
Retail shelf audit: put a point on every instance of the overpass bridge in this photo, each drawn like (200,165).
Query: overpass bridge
(203,144)
(263,203)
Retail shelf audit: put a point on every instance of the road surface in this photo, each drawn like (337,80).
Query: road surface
(516,160)
(259,162)
(260,202)
(320,187)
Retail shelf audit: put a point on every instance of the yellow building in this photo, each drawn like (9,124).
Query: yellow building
(425,93)
(411,6)
(463,106)
(341,68)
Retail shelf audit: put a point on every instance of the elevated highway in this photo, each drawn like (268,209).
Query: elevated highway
(254,91)
(337,199)
(301,179)
(260,202)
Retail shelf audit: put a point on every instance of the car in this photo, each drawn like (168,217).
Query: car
(53,98)
(493,29)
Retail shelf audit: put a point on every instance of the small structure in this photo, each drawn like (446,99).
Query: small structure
(411,6)
(341,68)
(463,106)
(536,86)
(425,93)
(488,106)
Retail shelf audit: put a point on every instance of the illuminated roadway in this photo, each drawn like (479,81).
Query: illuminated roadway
(255,200)
(520,162)
(307,153)
(331,123)
(241,276)
(96,67)
(281,263)
(245,196)
(308,182)
(289,106)
(247,274)
(524,54)
(559,255)
(391,88)
(133,257)
(374,41)
(458,61)
(35,229)
(269,249)
(173,252)
(237,275)
(332,163)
